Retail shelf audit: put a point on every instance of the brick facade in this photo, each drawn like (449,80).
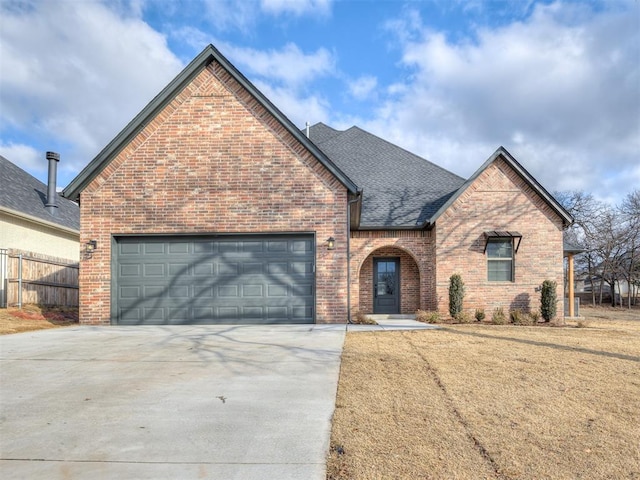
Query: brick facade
(214,161)
(417,260)
(498,200)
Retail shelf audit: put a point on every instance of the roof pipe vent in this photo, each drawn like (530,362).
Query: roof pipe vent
(307,128)
(51,205)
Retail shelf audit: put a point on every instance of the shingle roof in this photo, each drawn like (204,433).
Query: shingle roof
(23,193)
(400,189)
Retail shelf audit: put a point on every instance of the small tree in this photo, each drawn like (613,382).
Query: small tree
(456,294)
(548,300)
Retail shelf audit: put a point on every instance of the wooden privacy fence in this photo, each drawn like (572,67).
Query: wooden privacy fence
(27,277)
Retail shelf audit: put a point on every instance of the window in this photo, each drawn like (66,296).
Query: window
(500,259)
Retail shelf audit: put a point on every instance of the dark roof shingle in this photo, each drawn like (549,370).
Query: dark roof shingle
(24,193)
(400,189)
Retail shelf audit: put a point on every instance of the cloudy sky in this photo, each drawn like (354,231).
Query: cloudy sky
(555,82)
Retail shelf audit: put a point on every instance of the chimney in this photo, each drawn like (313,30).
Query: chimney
(52,195)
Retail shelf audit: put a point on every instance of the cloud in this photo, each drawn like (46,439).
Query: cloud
(228,15)
(361,88)
(78,72)
(296,7)
(560,89)
(289,65)
(286,76)
(298,107)
(25,156)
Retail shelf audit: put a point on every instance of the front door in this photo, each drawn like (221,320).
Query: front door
(386,285)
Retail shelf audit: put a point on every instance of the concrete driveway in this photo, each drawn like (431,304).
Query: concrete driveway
(223,402)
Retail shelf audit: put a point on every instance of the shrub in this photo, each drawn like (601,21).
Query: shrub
(480,316)
(548,300)
(456,294)
(518,317)
(535,317)
(463,317)
(499,317)
(426,316)
(362,319)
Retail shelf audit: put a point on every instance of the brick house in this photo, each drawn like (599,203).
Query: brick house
(212,207)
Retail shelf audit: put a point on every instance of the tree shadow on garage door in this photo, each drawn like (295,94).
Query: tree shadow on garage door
(216,290)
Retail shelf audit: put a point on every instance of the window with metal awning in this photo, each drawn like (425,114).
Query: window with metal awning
(503,234)
(500,248)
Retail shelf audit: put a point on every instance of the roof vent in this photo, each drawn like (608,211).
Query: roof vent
(51,204)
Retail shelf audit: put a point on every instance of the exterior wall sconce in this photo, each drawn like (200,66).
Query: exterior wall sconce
(331,243)
(90,247)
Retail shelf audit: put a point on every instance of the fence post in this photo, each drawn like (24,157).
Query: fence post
(3,277)
(19,280)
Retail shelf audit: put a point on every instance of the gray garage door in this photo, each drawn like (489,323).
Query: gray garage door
(207,280)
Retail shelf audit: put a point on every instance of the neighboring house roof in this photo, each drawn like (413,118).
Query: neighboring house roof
(25,196)
(399,189)
(502,153)
(205,58)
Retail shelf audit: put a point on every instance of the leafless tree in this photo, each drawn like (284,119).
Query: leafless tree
(630,265)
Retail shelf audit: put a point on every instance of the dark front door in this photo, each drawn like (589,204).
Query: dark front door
(386,285)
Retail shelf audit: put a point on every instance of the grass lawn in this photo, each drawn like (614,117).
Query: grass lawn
(33,317)
(484,401)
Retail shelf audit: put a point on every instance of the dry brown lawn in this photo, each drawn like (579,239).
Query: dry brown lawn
(483,401)
(33,317)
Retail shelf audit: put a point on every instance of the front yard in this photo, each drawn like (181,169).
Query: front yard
(34,317)
(484,401)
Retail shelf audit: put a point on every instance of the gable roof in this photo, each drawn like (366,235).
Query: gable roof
(502,153)
(399,189)
(205,58)
(24,195)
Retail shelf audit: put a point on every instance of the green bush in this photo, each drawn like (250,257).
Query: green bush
(498,317)
(426,316)
(480,316)
(456,294)
(548,300)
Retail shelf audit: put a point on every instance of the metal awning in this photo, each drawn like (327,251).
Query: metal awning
(502,234)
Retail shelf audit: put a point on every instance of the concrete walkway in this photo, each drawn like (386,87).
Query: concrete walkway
(224,402)
(391,322)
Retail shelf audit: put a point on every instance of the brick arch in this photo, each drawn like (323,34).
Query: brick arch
(409,279)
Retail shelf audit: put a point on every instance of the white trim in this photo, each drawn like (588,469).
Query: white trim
(40,221)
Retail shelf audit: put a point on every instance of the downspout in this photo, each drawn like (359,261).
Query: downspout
(349,256)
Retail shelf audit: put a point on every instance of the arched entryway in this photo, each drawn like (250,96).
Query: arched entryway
(389,282)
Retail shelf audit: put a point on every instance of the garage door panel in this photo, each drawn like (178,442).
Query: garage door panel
(234,280)
(252,290)
(154,248)
(225,291)
(179,248)
(154,269)
(276,290)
